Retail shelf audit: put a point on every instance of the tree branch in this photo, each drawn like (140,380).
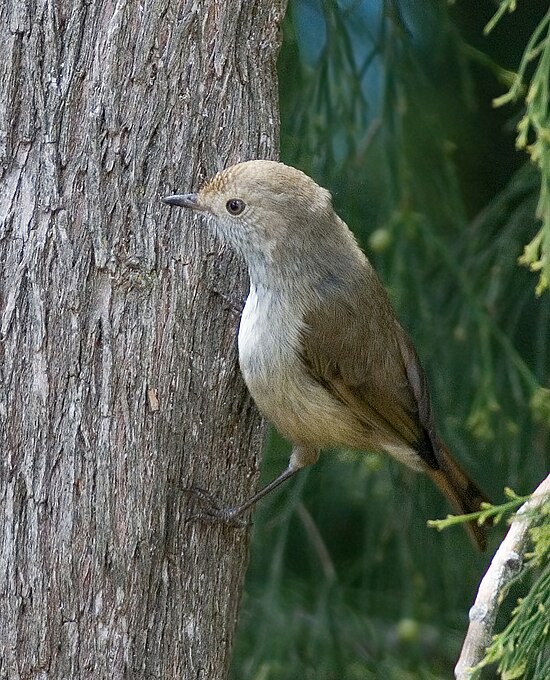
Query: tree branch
(504,566)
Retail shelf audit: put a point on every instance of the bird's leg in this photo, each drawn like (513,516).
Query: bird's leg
(300,458)
(211,510)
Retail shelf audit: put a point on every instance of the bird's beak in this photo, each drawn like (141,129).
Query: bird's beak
(183,201)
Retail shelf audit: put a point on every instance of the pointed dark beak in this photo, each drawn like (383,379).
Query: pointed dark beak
(183,201)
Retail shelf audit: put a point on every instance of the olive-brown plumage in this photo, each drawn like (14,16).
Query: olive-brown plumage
(320,347)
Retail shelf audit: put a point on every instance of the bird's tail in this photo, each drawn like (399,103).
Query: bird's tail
(461,491)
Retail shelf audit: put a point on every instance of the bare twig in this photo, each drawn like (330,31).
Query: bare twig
(504,566)
(317,540)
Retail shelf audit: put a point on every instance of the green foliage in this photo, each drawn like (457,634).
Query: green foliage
(504,6)
(534,122)
(391,110)
(489,514)
(522,649)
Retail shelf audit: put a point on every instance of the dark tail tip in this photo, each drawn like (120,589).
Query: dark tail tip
(463,494)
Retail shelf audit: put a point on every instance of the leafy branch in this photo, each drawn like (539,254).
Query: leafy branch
(489,513)
(519,646)
(534,132)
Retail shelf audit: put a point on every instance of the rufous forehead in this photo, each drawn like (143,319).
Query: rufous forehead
(248,171)
(269,175)
(221,181)
(218,183)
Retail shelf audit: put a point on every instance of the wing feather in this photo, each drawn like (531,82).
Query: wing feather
(356,348)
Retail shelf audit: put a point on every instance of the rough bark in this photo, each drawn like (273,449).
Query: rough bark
(505,566)
(119,378)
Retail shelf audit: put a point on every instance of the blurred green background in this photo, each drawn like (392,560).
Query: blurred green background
(389,105)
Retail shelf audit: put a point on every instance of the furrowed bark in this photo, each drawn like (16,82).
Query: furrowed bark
(119,378)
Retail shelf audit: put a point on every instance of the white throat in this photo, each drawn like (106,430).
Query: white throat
(250,327)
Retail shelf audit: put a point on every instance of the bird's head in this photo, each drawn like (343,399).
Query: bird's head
(261,208)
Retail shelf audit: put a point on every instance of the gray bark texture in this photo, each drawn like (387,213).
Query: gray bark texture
(120,385)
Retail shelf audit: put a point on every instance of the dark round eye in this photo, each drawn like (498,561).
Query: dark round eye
(235,206)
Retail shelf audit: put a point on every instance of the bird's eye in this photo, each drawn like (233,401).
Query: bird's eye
(235,206)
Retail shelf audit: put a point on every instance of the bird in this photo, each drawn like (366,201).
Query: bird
(321,350)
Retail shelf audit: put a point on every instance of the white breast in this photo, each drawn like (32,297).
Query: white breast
(250,328)
(268,338)
(284,391)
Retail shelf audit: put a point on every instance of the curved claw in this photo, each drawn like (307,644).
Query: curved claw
(211,510)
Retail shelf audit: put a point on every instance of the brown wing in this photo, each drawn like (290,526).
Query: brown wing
(356,348)
(378,376)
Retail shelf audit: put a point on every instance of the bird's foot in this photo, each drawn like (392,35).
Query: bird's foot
(235,307)
(207,508)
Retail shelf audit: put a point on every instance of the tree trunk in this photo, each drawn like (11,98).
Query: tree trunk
(120,384)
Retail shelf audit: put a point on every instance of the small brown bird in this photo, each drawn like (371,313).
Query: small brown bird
(320,347)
